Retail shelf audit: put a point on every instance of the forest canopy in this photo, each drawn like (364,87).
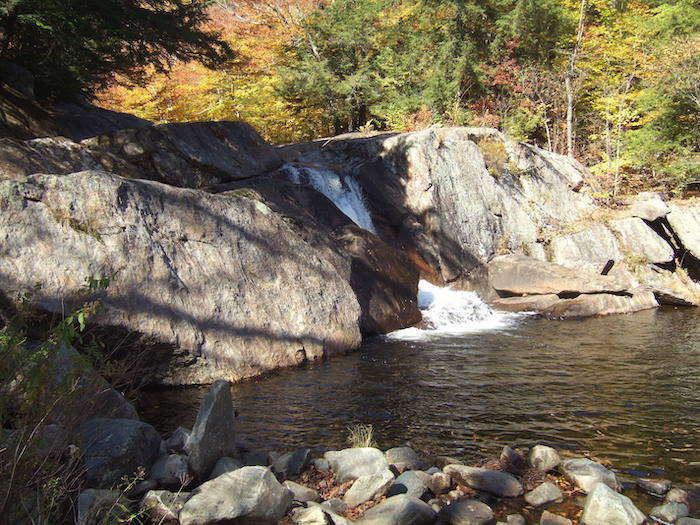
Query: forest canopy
(615,83)
(78,46)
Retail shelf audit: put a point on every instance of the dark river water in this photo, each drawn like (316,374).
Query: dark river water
(626,388)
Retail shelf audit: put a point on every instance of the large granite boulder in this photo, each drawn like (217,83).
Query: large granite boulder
(201,275)
(454,197)
(640,241)
(247,495)
(114,448)
(648,206)
(213,433)
(587,305)
(684,221)
(588,250)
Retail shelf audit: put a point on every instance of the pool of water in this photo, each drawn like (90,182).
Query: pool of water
(626,388)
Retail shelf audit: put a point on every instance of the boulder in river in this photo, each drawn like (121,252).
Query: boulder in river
(404,458)
(290,465)
(496,482)
(213,433)
(352,463)
(586,474)
(399,510)
(657,487)
(411,482)
(246,495)
(549,518)
(669,512)
(604,506)
(224,465)
(114,448)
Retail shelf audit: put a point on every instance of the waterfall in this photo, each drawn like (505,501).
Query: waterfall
(453,312)
(344,192)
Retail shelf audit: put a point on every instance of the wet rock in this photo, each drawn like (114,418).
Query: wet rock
(669,512)
(399,510)
(171,470)
(224,465)
(301,493)
(404,458)
(544,458)
(162,506)
(657,487)
(586,474)
(411,482)
(291,464)
(604,506)
(466,512)
(352,463)
(366,488)
(543,494)
(213,434)
(496,482)
(113,448)
(522,275)
(95,506)
(548,518)
(249,494)
(649,206)
(177,442)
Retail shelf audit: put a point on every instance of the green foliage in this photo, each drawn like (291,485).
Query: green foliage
(74,46)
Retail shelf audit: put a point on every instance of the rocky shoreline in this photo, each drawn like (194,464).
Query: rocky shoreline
(206,477)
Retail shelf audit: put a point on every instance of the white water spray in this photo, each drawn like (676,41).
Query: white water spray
(345,193)
(452,312)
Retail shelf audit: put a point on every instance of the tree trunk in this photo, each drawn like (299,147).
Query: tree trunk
(570,77)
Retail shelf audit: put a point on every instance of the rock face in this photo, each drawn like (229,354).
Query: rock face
(496,482)
(213,434)
(424,187)
(113,448)
(191,155)
(604,506)
(201,274)
(247,495)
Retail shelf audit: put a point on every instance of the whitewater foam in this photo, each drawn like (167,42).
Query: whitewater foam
(344,192)
(448,312)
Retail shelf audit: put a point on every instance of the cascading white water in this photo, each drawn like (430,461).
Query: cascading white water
(450,312)
(345,193)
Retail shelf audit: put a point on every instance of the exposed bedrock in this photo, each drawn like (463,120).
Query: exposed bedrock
(225,285)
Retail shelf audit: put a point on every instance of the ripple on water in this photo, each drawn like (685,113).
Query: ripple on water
(625,387)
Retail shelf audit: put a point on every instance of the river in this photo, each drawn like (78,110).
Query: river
(625,388)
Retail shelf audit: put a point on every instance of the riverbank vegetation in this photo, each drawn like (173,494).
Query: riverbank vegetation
(616,84)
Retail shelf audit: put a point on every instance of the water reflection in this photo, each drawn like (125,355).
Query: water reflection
(624,387)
